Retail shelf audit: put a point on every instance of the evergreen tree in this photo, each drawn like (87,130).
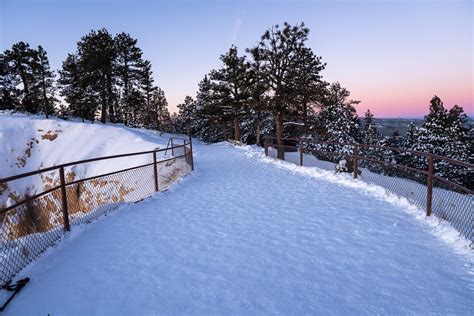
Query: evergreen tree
(232,82)
(210,121)
(308,86)
(76,92)
(338,120)
(411,136)
(44,81)
(9,93)
(146,87)
(185,120)
(371,135)
(131,71)
(20,60)
(279,49)
(443,133)
(154,114)
(257,89)
(432,136)
(96,55)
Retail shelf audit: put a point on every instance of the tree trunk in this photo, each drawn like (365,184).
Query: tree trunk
(45,96)
(236,130)
(279,133)
(305,113)
(257,131)
(103,114)
(110,99)
(225,130)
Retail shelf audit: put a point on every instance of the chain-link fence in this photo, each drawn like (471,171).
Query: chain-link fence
(440,185)
(72,194)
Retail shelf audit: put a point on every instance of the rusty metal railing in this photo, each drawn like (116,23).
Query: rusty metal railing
(423,178)
(37,207)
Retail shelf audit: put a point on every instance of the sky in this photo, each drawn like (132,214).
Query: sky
(392,55)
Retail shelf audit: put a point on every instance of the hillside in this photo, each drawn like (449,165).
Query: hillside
(29,143)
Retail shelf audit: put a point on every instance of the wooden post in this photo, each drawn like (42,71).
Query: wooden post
(172,146)
(191,152)
(67,227)
(429,191)
(356,161)
(266,145)
(155,172)
(301,153)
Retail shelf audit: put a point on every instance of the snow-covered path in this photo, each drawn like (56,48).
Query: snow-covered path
(241,236)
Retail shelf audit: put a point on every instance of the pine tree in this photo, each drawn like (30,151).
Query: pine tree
(146,87)
(371,135)
(20,63)
(96,55)
(186,118)
(308,86)
(131,71)
(257,89)
(44,81)
(338,121)
(279,51)
(411,136)
(9,93)
(443,133)
(209,118)
(432,136)
(232,82)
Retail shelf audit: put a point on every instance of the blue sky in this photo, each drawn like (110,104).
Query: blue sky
(392,55)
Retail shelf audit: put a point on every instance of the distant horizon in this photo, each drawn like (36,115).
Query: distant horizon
(394,56)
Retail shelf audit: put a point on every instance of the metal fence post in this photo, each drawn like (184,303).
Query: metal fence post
(67,227)
(429,191)
(356,160)
(191,152)
(266,145)
(155,172)
(301,153)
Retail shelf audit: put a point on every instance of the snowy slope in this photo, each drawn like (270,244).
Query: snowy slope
(248,235)
(28,143)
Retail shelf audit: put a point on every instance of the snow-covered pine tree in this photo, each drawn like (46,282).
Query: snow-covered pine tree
(307,88)
(279,48)
(258,107)
(432,136)
(443,133)
(232,82)
(209,118)
(185,122)
(371,136)
(458,147)
(338,121)
(80,98)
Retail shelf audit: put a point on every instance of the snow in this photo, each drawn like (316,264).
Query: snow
(245,234)
(28,143)
(447,204)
